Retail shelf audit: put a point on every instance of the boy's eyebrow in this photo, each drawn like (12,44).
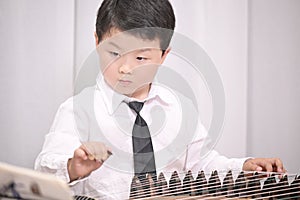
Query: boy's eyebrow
(114,44)
(145,49)
(139,49)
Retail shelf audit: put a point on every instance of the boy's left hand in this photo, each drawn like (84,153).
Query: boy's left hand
(264,164)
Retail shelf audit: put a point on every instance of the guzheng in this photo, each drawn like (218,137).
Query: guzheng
(226,185)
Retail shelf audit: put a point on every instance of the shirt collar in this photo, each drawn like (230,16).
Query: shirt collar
(113,99)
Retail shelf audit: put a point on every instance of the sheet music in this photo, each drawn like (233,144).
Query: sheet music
(22,183)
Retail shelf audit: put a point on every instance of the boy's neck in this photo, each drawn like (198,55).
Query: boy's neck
(141,93)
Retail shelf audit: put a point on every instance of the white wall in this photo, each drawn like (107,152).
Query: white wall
(222,31)
(36,71)
(45,42)
(274,84)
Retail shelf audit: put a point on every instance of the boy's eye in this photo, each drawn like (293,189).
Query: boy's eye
(141,58)
(113,53)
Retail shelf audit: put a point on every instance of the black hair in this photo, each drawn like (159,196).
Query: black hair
(148,19)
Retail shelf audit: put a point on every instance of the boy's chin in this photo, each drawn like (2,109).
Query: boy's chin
(124,91)
(132,92)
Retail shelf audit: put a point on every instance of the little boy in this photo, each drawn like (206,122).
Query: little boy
(132,39)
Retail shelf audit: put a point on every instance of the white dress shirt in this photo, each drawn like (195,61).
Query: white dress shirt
(100,114)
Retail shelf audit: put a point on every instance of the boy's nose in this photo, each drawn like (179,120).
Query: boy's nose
(125,68)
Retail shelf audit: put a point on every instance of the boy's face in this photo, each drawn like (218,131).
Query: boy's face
(129,63)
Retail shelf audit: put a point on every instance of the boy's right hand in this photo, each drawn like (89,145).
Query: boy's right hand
(87,158)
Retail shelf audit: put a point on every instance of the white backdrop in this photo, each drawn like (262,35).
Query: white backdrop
(36,73)
(274,84)
(254,45)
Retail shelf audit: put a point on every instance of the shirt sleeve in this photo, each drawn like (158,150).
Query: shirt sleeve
(60,143)
(200,156)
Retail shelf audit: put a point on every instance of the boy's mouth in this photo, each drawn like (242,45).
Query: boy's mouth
(124,82)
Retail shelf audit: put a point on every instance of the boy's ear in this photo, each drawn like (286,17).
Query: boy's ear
(96,38)
(167,51)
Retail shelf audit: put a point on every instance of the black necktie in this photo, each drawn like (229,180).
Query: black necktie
(144,161)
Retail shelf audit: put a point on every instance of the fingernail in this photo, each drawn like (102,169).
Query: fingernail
(258,169)
(91,157)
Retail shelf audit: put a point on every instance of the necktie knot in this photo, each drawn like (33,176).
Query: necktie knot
(136,106)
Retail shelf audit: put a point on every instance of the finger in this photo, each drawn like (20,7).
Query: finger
(91,149)
(279,165)
(80,153)
(273,165)
(88,151)
(258,168)
(91,157)
(94,164)
(250,165)
(266,164)
(97,151)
